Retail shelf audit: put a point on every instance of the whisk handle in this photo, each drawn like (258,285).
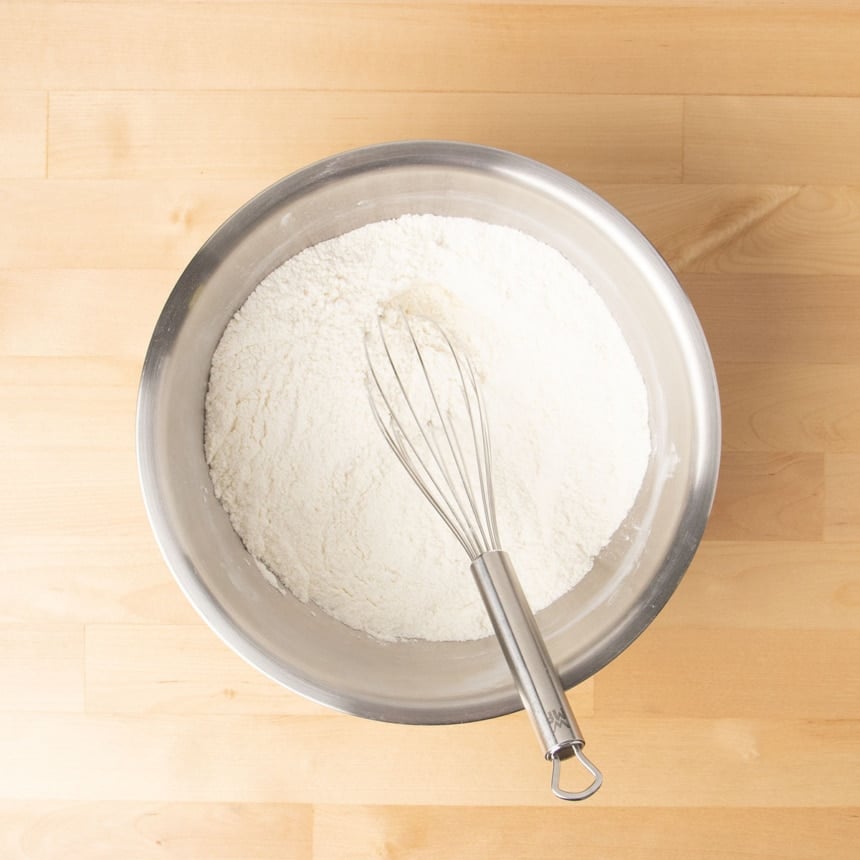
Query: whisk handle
(535,675)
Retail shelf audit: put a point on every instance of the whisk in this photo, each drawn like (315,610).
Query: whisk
(425,397)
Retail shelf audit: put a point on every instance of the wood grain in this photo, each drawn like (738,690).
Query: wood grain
(775,406)
(764,496)
(236,134)
(829,5)
(43,665)
(91,451)
(842,500)
(23,137)
(23,42)
(771,140)
(82,312)
(108,829)
(189,831)
(747,229)
(727,131)
(43,508)
(551,48)
(69,432)
(778,319)
(140,224)
(735,673)
(30,431)
(125,673)
(354,832)
(110,575)
(339,759)
(123,224)
(769,585)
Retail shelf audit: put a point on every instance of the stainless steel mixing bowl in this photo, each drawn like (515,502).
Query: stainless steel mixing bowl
(299,645)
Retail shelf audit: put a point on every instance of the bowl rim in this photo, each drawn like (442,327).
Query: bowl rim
(432,153)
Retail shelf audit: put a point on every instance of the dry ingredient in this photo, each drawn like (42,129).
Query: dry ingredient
(308,481)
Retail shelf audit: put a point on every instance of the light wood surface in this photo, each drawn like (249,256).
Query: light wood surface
(728,131)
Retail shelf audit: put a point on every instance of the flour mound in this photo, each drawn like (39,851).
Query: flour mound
(308,481)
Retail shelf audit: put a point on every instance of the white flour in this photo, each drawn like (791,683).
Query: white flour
(310,484)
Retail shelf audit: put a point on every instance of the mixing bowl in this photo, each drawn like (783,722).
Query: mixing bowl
(297,644)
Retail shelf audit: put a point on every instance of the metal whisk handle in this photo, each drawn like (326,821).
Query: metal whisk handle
(535,675)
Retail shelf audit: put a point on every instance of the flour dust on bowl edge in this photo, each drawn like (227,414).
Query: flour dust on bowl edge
(302,647)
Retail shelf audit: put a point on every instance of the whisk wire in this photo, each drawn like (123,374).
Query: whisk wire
(455,489)
(394,438)
(482,448)
(487,472)
(400,441)
(478,534)
(449,456)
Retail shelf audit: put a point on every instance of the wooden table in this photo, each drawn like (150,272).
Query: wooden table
(729,132)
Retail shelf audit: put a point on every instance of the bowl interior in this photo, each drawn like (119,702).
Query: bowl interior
(297,644)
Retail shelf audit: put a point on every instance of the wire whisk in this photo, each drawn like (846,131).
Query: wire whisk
(456,478)
(425,396)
